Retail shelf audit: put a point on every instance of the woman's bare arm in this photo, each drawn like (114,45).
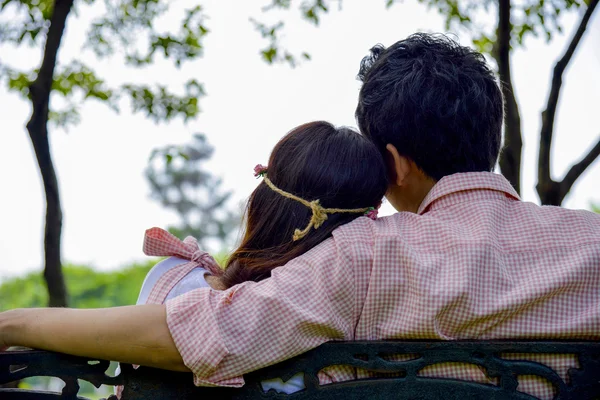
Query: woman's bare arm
(131,334)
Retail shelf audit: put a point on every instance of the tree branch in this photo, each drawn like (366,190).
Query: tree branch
(548,115)
(510,158)
(576,170)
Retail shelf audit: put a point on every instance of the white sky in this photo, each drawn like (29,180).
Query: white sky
(249,106)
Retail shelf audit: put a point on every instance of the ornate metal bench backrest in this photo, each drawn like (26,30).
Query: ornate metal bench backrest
(149,383)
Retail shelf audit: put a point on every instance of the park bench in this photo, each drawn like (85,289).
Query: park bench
(150,384)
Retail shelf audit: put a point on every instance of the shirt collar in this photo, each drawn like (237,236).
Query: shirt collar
(467,181)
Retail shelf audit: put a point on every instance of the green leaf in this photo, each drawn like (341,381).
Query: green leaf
(160,104)
(64,118)
(20,81)
(269,54)
(183,155)
(127,23)
(483,44)
(528,18)
(274,53)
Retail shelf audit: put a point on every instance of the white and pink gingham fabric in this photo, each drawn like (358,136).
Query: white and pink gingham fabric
(158,242)
(474,263)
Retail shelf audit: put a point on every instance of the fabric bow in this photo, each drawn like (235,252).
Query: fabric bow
(158,242)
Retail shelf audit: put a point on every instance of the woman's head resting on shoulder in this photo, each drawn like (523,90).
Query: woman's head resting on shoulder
(315,161)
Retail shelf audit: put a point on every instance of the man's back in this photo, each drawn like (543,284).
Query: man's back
(478,263)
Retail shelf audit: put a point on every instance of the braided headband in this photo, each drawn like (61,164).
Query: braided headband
(319,213)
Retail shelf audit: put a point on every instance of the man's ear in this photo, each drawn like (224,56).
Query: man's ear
(398,166)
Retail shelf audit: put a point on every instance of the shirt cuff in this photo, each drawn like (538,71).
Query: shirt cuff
(193,325)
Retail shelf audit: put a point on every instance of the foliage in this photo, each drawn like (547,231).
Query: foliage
(88,288)
(530,17)
(125,27)
(180,183)
(275,52)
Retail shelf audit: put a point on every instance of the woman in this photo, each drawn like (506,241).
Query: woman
(314,162)
(319,177)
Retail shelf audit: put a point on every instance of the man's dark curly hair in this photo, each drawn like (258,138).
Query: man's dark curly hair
(437,102)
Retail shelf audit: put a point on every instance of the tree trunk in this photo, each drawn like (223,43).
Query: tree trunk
(39,94)
(552,192)
(510,157)
(57,293)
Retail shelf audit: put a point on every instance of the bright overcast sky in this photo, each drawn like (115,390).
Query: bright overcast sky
(249,106)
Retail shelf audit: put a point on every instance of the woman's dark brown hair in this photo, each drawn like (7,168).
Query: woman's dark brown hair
(316,160)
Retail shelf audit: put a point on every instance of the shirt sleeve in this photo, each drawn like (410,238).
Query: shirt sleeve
(223,334)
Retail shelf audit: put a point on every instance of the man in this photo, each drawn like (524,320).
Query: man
(463,258)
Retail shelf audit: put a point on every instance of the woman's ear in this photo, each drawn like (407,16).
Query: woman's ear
(399,166)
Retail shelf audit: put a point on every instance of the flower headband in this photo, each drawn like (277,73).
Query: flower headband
(319,213)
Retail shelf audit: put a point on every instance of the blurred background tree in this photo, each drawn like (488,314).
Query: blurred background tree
(56,91)
(514,21)
(180,183)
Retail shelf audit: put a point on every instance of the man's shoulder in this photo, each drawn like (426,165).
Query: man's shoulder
(561,214)
(366,230)
(559,223)
(522,223)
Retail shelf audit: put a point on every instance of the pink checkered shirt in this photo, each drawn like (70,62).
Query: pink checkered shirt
(475,262)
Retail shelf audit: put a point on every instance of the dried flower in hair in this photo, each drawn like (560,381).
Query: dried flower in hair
(372,213)
(260,170)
